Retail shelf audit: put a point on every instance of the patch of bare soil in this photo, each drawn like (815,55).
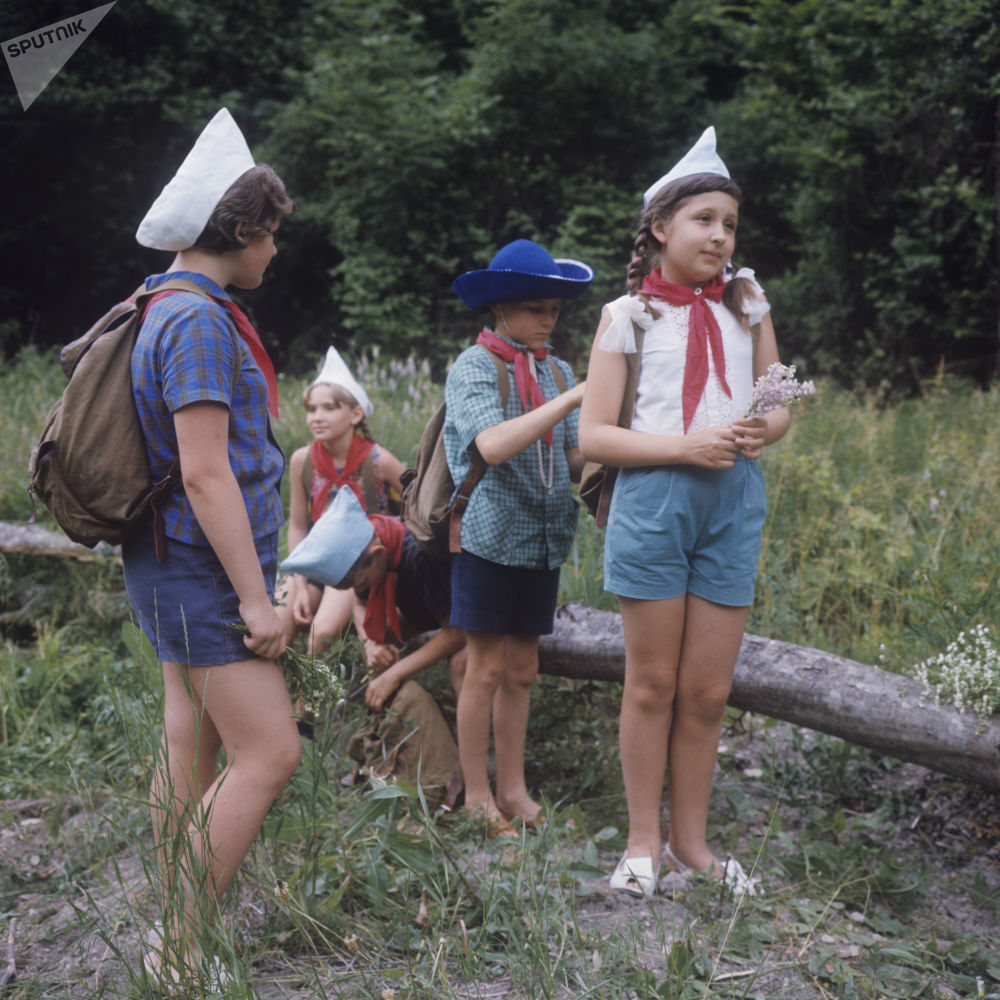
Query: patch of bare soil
(73,931)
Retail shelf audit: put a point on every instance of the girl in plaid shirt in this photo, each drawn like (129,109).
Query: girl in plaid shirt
(203,388)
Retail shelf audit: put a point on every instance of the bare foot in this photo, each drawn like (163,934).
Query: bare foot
(520,808)
(492,820)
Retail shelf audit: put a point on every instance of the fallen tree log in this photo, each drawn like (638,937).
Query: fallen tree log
(34,540)
(808,687)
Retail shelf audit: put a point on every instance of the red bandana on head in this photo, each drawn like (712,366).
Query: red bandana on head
(249,336)
(527,385)
(380,611)
(703,333)
(323,463)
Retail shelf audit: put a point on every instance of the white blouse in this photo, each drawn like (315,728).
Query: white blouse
(658,407)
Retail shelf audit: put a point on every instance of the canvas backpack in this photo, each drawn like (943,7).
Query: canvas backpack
(89,467)
(410,741)
(426,506)
(597,483)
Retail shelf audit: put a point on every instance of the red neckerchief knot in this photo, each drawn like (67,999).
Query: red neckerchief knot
(527,385)
(703,333)
(380,612)
(323,463)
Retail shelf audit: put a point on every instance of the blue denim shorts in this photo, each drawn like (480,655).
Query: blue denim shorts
(186,605)
(681,529)
(503,600)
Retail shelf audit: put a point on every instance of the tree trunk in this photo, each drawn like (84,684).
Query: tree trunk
(34,540)
(864,705)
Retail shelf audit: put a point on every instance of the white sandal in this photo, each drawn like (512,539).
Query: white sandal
(635,876)
(736,879)
(679,866)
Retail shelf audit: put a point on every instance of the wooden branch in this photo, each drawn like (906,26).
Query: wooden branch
(862,704)
(34,540)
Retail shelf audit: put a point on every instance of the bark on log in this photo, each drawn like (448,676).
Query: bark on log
(9,973)
(808,687)
(34,540)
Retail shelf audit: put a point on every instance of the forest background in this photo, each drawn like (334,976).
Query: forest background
(419,137)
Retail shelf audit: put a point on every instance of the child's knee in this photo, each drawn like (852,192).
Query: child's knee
(707,704)
(456,669)
(483,673)
(651,694)
(281,760)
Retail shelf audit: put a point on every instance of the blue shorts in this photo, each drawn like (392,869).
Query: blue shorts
(682,529)
(503,600)
(186,605)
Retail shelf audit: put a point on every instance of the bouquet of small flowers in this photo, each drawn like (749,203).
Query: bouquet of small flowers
(777,387)
(310,680)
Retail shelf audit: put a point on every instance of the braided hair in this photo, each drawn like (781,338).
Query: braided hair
(664,205)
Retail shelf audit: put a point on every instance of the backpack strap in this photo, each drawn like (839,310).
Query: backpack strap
(141,297)
(307,479)
(633,362)
(368,485)
(503,377)
(170,285)
(558,377)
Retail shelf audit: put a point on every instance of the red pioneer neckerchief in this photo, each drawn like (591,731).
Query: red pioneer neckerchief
(527,385)
(381,609)
(703,333)
(323,463)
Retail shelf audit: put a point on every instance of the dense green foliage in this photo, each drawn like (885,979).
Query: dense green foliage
(418,137)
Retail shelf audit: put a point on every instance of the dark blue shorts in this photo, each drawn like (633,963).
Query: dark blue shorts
(186,605)
(682,529)
(502,600)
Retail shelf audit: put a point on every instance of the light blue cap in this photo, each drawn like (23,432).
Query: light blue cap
(334,542)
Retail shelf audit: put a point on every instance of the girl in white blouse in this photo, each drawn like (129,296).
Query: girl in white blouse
(684,528)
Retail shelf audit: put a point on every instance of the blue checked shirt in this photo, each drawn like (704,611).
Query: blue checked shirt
(511,519)
(188,351)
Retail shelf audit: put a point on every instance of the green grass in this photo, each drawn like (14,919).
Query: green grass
(879,521)
(878,526)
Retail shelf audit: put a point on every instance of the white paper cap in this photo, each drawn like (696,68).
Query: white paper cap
(701,158)
(218,158)
(335,372)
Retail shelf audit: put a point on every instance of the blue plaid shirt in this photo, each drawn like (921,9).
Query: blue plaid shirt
(511,519)
(188,351)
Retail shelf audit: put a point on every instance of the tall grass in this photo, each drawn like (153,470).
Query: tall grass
(878,525)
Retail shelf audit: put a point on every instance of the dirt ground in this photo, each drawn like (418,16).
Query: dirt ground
(50,927)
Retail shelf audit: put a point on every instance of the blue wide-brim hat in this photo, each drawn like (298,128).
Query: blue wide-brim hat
(520,271)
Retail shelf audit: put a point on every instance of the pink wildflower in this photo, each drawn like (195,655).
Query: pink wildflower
(777,387)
